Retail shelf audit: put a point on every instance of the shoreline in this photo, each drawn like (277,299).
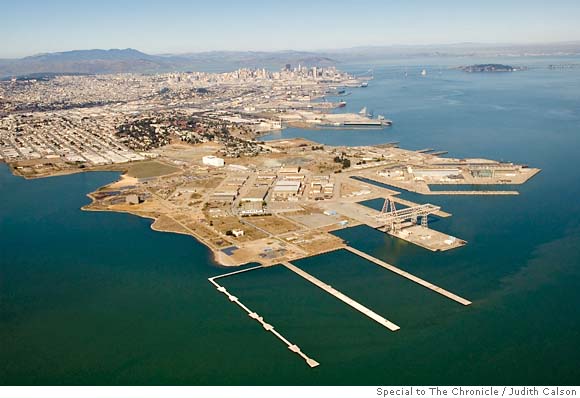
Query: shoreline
(176,192)
(154,224)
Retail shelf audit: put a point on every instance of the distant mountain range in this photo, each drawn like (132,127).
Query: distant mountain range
(131,60)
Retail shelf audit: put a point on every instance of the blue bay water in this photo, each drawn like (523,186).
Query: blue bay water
(100,298)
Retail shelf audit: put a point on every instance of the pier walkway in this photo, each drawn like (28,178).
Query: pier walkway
(409,276)
(236,272)
(342,297)
(473,193)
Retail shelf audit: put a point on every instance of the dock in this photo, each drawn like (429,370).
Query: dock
(392,144)
(426,238)
(342,297)
(236,272)
(409,276)
(471,193)
(267,327)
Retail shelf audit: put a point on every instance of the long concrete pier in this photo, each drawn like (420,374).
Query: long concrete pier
(342,297)
(409,276)
(471,193)
(268,327)
(236,272)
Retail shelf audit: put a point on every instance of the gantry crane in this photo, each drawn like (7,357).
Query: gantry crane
(394,218)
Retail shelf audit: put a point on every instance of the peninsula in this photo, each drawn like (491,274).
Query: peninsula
(189,147)
(188,144)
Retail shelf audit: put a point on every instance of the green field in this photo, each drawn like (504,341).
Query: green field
(150,169)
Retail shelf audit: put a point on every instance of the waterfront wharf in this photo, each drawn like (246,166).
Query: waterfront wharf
(471,193)
(236,272)
(409,276)
(342,297)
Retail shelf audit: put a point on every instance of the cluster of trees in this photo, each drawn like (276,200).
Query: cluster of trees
(143,135)
(148,133)
(342,159)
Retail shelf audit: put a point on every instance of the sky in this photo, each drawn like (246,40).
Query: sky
(174,26)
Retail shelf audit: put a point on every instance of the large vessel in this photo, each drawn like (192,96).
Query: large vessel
(367,123)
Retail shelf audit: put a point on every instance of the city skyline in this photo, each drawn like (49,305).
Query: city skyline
(178,27)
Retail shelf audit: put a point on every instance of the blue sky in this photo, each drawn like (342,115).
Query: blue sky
(30,27)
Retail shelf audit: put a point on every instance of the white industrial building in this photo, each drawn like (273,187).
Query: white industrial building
(285,189)
(435,173)
(214,161)
(255,195)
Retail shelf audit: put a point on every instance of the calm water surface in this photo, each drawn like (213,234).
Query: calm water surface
(100,298)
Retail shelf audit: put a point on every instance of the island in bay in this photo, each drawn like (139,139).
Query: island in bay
(486,68)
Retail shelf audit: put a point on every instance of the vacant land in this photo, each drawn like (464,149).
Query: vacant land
(272,224)
(150,169)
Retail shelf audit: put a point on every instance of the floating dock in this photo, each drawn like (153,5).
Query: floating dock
(409,276)
(268,327)
(342,297)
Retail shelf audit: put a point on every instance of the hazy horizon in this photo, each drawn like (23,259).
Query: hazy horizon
(317,50)
(177,27)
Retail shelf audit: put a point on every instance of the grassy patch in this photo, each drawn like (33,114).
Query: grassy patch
(150,169)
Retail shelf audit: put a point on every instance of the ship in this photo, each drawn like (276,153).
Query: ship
(377,123)
(364,84)
(342,104)
(363,123)
(424,72)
